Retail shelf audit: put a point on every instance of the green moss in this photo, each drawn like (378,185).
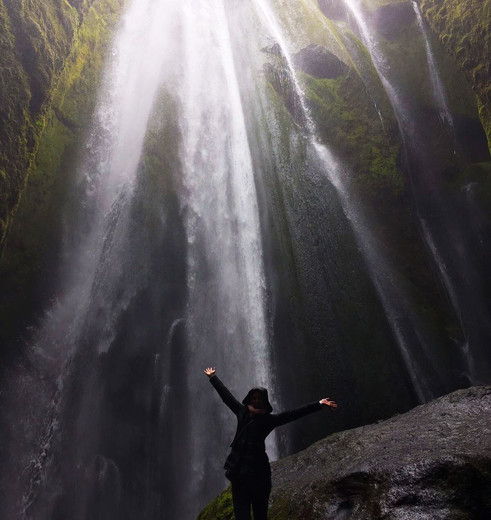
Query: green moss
(219,509)
(351,125)
(463,29)
(35,40)
(373,5)
(34,236)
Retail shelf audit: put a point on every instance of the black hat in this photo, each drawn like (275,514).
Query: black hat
(264,394)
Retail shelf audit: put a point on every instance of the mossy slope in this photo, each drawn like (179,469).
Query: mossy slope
(36,39)
(61,123)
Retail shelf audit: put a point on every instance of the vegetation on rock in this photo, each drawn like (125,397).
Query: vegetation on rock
(463,29)
(36,39)
(48,159)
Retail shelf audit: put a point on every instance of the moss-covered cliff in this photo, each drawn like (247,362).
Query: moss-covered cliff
(463,29)
(57,52)
(36,39)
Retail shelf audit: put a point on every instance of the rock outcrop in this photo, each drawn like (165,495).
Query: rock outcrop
(320,63)
(433,462)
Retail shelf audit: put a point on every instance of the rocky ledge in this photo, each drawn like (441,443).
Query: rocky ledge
(431,463)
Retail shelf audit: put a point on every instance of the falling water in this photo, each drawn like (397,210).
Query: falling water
(438,89)
(225,316)
(161,44)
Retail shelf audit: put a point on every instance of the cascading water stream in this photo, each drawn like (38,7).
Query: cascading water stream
(225,315)
(404,324)
(93,249)
(438,88)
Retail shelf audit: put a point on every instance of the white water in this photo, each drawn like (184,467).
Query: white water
(439,93)
(226,322)
(161,42)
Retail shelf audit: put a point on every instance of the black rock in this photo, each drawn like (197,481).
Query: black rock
(319,62)
(334,9)
(390,20)
(433,462)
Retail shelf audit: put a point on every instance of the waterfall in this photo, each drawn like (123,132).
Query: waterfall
(225,314)
(438,88)
(161,44)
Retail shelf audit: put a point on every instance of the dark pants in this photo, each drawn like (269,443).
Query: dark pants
(250,491)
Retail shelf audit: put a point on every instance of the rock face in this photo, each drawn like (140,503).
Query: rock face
(391,19)
(333,9)
(463,29)
(36,40)
(48,81)
(433,462)
(320,63)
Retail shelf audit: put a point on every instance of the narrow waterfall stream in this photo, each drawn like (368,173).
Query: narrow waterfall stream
(438,88)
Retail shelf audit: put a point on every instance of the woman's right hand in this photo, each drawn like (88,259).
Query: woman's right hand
(210,372)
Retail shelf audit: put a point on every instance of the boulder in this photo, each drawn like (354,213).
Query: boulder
(334,9)
(431,463)
(319,62)
(391,19)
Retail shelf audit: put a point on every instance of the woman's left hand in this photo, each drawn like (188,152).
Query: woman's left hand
(327,402)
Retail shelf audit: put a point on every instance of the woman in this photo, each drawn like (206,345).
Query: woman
(247,465)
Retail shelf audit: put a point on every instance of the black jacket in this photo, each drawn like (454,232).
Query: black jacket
(248,455)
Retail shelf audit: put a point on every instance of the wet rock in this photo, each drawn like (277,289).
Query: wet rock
(390,20)
(334,9)
(431,463)
(463,29)
(319,62)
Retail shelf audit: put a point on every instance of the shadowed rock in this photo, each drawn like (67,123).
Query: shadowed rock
(334,9)
(319,62)
(433,462)
(390,20)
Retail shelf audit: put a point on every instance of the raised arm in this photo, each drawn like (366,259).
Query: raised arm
(292,415)
(223,391)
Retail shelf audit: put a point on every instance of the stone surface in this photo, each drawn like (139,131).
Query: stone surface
(319,62)
(463,29)
(333,9)
(389,20)
(433,462)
